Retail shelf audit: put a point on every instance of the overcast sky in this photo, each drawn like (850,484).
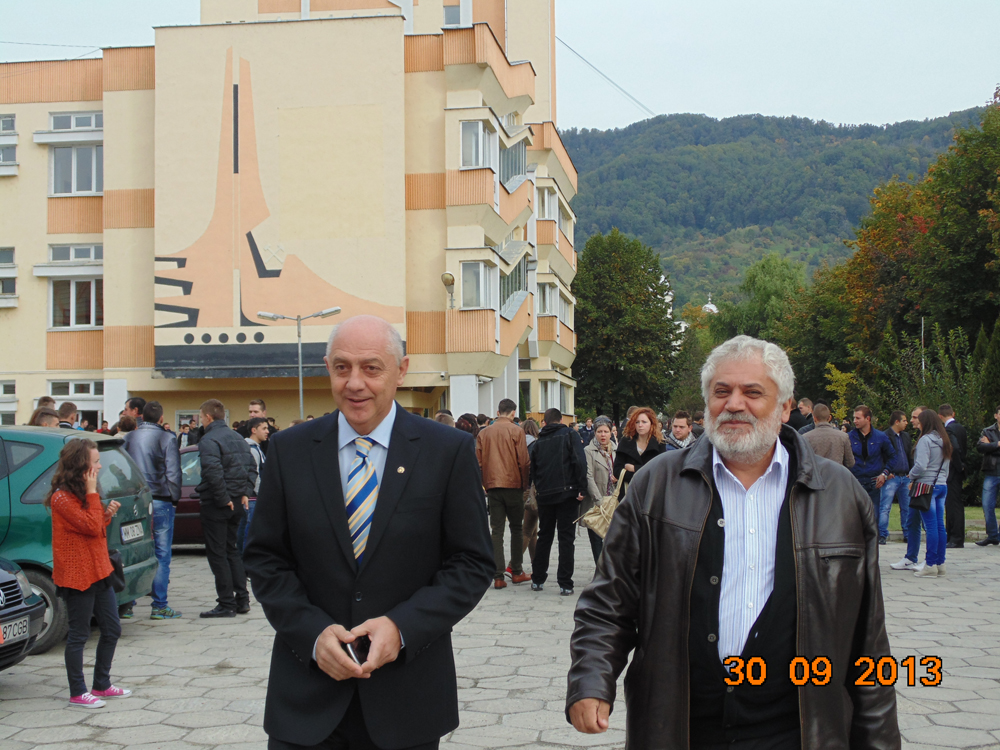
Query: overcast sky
(848,61)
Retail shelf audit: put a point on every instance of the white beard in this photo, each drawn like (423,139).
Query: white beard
(744,448)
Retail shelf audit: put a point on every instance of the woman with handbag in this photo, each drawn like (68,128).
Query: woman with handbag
(929,488)
(641,442)
(601,480)
(82,569)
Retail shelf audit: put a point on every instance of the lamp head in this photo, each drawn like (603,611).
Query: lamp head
(268,316)
(448,279)
(329,311)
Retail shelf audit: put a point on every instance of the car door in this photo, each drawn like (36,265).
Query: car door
(4,495)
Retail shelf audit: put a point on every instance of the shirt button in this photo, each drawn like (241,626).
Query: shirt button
(751,531)
(713,580)
(750,605)
(357,596)
(722,522)
(711,637)
(751,567)
(729,689)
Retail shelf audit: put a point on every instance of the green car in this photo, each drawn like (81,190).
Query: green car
(28,457)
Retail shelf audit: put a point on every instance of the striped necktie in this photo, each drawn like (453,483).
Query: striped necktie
(362,494)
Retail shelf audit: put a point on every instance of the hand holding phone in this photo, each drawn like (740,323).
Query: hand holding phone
(358,650)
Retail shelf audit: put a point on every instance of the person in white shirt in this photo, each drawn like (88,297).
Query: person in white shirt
(258,429)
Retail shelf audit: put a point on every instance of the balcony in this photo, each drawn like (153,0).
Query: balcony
(555,249)
(556,340)
(479,46)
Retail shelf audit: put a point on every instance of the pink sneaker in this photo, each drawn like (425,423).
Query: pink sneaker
(112,692)
(87,700)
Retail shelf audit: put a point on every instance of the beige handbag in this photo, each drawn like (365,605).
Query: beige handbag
(598,518)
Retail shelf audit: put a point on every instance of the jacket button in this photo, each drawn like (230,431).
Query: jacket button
(711,637)
(713,580)
(729,689)
(357,596)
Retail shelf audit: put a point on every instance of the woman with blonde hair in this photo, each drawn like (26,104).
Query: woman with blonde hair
(601,479)
(81,569)
(642,441)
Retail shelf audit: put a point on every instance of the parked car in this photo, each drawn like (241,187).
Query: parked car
(187,521)
(28,458)
(22,614)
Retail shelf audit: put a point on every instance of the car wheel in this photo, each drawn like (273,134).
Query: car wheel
(54,623)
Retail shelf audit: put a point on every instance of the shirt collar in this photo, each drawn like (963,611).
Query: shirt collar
(381,434)
(948,421)
(779,459)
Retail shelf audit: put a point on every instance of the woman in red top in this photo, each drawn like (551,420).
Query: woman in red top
(81,569)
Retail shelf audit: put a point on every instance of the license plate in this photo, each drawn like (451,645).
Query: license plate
(131,532)
(16,630)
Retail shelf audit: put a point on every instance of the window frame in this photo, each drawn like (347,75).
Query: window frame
(487,139)
(73,248)
(95,386)
(548,204)
(485,283)
(93,114)
(445,23)
(73,281)
(96,169)
(11,130)
(12,147)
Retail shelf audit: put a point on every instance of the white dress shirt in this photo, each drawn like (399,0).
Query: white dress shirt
(751,534)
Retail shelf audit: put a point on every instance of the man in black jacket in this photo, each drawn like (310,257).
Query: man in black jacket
(954,506)
(228,475)
(371,533)
(989,446)
(559,473)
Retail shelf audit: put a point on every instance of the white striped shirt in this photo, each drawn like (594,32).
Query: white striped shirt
(751,534)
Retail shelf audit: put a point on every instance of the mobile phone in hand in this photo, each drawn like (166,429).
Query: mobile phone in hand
(358,650)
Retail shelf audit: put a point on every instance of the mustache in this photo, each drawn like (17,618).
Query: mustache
(737,416)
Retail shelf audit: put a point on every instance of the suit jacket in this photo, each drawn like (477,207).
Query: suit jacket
(959,443)
(427,563)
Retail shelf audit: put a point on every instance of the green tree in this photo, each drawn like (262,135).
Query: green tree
(991,372)
(686,390)
(626,335)
(768,287)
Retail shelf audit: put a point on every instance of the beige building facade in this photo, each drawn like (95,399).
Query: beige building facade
(290,156)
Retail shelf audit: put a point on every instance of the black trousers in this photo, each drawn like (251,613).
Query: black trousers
(790,740)
(97,601)
(350,734)
(219,527)
(559,517)
(954,513)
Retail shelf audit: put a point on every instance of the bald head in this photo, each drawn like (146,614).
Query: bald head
(368,328)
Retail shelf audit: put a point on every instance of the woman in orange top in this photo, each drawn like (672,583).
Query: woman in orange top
(81,569)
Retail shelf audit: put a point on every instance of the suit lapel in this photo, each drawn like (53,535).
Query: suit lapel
(326,466)
(404,446)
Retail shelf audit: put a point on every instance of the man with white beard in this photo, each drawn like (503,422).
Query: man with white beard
(743,573)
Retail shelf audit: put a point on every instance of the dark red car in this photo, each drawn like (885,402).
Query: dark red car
(187,522)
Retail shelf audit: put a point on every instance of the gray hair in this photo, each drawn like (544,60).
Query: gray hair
(602,421)
(746,348)
(394,342)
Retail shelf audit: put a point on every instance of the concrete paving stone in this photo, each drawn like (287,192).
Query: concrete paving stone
(949,737)
(247,706)
(912,721)
(198,719)
(252,692)
(483,671)
(967,720)
(173,745)
(232,734)
(494,736)
(77,745)
(221,681)
(145,734)
(569,737)
(261,745)
(48,718)
(480,694)
(141,718)
(16,706)
(66,733)
(919,692)
(506,705)
(185,705)
(513,682)
(980,706)
(256,720)
(471,718)
(540,720)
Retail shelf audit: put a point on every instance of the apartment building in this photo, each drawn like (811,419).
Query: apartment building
(397,158)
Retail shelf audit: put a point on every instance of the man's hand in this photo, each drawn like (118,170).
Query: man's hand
(246,502)
(590,715)
(386,642)
(879,481)
(630,467)
(984,439)
(230,505)
(579,498)
(331,656)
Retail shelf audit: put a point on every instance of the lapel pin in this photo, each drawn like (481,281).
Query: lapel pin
(400,470)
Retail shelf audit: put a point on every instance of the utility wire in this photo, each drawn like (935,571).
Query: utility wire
(622,91)
(43,44)
(46,63)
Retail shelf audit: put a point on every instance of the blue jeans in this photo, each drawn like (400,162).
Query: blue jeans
(163,539)
(990,486)
(913,534)
(241,532)
(937,537)
(898,488)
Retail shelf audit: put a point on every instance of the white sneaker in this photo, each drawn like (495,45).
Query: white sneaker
(928,571)
(904,564)
(941,570)
(919,566)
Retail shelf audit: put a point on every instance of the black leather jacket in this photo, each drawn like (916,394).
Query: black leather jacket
(990,450)
(639,600)
(228,468)
(155,452)
(558,465)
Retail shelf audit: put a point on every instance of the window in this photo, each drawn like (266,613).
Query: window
(476,285)
(77,169)
(19,454)
(8,154)
(76,252)
(565,310)
(514,282)
(509,120)
(6,256)
(78,121)
(548,204)
(7,124)
(190,469)
(8,286)
(477,144)
(77,304)
(513,162)
(7,419)
(555,395)
(547,299)
(79,387)
(8,388)
(452,15)
(565,224)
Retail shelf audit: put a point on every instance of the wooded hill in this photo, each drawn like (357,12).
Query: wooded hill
(713,196)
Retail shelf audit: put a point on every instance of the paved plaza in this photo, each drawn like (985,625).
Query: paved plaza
(200,684)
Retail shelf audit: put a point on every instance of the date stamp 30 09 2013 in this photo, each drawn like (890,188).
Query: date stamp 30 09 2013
(882,671)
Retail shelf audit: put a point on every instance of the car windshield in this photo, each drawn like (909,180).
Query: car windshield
(119,477)
(190,469)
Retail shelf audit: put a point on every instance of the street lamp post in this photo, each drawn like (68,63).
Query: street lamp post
(298,325)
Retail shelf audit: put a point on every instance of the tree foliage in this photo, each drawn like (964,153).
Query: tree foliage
(626,335)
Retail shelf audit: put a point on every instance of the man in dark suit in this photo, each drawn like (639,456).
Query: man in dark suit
(954,507)
(370,526)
